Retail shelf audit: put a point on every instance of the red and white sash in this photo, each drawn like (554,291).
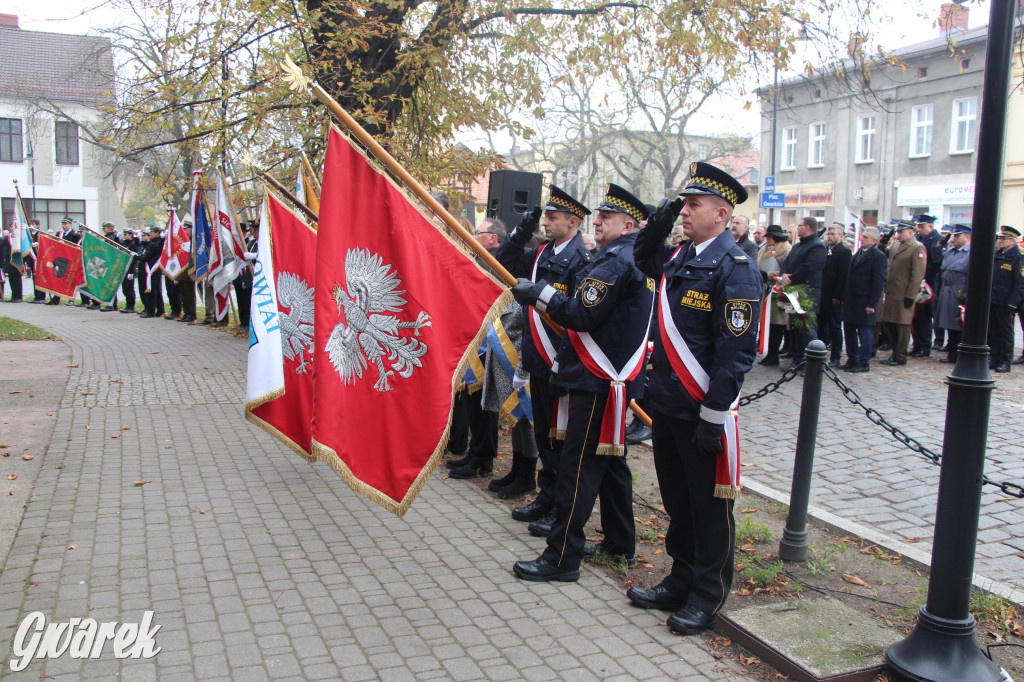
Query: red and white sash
(613,421)
(547,352)
(697,382)
(766,318)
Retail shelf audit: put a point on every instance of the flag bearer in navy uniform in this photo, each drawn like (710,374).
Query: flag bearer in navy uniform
(708,311)
(557,261)
(600,364)
(1007,292)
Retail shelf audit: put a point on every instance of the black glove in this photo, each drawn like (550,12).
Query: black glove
(664,216)
(557,389)
(529,224)
(521,291)
(708,437)
(908,303)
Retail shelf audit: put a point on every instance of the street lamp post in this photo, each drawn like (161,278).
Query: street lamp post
(32,174)
(942,646)
(775,119)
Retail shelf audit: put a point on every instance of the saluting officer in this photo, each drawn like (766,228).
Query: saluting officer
(600,362)
(710,299)
(1007,290)
(557,261)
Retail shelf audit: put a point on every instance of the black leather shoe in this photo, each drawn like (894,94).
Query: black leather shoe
(786,354)
(948,361)
(125,311)
(658,597)
(859,369)
(146,316)
(540,571)
(1003,367)
(893,362)
(639,436)
(477,468)
(884,346)
(769,362)
(186,318)
(531,512)
(542,526)
(1018,361)
(108,309)
(847,366)
(458,463)
(690,620)
(591,550)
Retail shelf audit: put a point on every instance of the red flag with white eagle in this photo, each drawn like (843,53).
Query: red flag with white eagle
(282,319)
(401,305)
(177,246)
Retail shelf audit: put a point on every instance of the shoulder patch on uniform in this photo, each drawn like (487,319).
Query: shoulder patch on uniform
(743,257)
(650,283)
(593,291)
(738,316)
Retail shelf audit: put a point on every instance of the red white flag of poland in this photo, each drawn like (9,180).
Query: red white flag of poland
(400,306)
(177,247)
(282,320)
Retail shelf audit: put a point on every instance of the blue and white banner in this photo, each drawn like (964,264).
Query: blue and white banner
(265,376)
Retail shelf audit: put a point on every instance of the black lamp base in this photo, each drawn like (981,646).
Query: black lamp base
(941,650)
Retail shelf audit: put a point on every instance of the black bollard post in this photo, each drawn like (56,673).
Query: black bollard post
(942,645)
(793,546)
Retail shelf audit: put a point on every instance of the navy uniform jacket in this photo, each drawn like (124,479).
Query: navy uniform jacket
(702,294)
(806,262)
(1007,279)
(559,270)
(612,301)
(864,286)
(933,249)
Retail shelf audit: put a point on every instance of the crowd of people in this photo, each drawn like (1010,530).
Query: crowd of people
(146,289)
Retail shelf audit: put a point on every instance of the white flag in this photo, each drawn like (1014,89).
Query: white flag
(265,377)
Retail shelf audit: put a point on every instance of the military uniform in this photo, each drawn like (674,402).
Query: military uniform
(599,362)
(907,262)
(130,242)
(708,315)
(922,324)
(559,267)
(1007,293)
(952,293)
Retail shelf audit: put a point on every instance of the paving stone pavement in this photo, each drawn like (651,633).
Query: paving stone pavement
(862,474)
(259,565)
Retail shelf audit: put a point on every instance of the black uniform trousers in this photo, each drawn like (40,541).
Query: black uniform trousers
(243,293)
(128,289)
(14,277)
(1000,333)
(582,475)
(173,296)
(921,328)
(701,531)
(187,293)
(458,434)
(830,330)
(549,449)
(483,427)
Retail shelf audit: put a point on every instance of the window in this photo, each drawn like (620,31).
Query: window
(964,65)
(921,130)
(816,145)
(870,217)
(922,72)
(66,135)
(10,140)
(865,139)
(961,132)
(49,211)
(788,149)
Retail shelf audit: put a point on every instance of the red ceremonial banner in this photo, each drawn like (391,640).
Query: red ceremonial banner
(400,307)
(58,266)
(289,417)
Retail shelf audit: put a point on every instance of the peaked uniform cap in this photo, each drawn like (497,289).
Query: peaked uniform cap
(1011,232)
(560,200)
(905,225)
(707,179)
(924,218)
(961,229)
(618,200)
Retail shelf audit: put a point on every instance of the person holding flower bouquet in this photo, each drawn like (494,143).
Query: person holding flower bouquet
(804,267)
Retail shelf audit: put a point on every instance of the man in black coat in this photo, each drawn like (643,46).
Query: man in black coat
(804,266)
(921,327)
(1007,292)
(865,283)
(833,284)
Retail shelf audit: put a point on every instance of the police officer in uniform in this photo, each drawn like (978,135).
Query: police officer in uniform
(709,306)
(130,242)
(921,328)
(1007,290)
(557,262)
(600,364)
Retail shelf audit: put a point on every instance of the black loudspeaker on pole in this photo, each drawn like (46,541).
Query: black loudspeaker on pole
(941,646)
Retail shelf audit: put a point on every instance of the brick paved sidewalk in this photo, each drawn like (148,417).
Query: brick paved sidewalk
(258,565)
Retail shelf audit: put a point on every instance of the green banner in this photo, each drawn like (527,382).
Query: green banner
(104,264)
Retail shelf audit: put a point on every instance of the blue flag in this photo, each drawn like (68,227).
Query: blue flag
(202,234)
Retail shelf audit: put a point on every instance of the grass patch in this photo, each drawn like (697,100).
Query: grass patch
(635,475)
(991,608)
(616,562)
(749,530)
(762,575)
(13,330)
(648,535)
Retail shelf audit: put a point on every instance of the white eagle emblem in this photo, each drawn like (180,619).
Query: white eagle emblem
(296,296)
(366,335)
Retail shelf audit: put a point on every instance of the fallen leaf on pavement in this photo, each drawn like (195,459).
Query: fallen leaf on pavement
(749,660)
(141,482)
(1005,499)
(33,582)
(854,580)
(126,428)
(71,366)
(1020,554)
(657,551)
(15,392)
(12,477)
(888,622)
(86,427)
(5,453)
(748,464)
(85,393)
(116,435)
(156,352)
(751,510)
(28,458)
(913,539)
(202,511)
(72,546)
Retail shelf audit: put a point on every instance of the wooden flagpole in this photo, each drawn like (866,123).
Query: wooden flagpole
(298,82)
(310,175)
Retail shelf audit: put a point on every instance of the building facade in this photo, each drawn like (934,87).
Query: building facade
(907,146)
(51,85)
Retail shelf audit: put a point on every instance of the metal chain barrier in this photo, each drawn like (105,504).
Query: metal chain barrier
(788,375)
(1007,487)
